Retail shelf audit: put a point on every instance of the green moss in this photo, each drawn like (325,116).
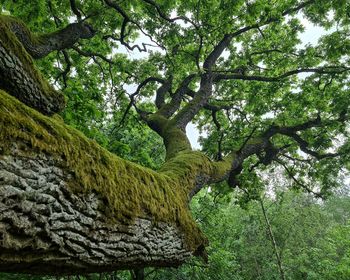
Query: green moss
(223,167)
(175,141)
(186,166)
(131,190)
(12,44)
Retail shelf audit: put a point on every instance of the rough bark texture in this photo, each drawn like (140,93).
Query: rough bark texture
(20,78)
(41,46)
(44,228)
(69,206)
(17,81)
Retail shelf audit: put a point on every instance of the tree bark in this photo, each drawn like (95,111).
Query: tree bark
(47,229)
(67,206)
(39,46)
(20,78)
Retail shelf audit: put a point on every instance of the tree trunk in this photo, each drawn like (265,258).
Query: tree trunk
(273,240)
(68,206)
(46,229)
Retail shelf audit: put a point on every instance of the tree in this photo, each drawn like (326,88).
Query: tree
(311,238)
(233,67)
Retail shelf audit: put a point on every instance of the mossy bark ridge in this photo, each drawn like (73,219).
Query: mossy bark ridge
(19,76)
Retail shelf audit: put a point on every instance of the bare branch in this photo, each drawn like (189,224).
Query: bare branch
(92,54)
(298,182)
(123,33)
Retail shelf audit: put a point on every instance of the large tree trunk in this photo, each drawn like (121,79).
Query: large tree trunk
(69,206)
(45,228)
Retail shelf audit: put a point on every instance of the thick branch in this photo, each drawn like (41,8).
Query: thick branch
(231,166)
(68,205)
(75,9)
(21,79)
(168,110)
(47,229)
(40,46)
(161,92)
(187,113)
(191,109)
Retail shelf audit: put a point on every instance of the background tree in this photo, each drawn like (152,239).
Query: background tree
(302,227)
(232,68)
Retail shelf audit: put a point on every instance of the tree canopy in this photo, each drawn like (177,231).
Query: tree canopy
(135,73)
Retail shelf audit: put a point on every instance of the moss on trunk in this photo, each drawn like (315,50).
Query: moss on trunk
(131,190)
(14,48)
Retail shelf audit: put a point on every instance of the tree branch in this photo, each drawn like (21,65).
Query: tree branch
(74,9)
(42,45)
(192,108)
(161,91)
(21,79)
(133,95)
(126,20)
(226,40)
(79,210)
(165,17)
(295,180)
(168,110)
(321,70)
(231,165)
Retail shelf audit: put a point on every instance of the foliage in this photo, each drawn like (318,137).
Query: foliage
(313,239)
